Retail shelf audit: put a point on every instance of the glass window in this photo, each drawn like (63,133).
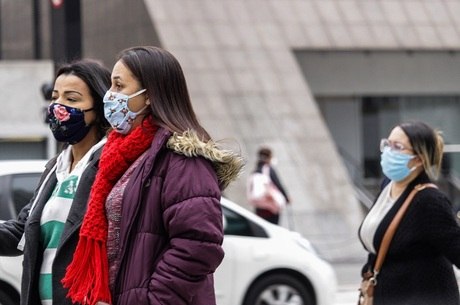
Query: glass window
(382,113)
(22,189)
(370,118)
(236,224)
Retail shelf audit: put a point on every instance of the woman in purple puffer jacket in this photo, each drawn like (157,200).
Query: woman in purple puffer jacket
(153,231)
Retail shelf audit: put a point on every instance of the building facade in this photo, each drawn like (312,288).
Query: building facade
(320,81)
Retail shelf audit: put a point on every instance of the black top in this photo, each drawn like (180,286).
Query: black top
(418,267)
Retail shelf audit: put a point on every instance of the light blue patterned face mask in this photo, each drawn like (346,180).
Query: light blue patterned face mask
(117,112)
(395,164)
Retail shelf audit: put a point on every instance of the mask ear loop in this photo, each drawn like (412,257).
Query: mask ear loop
(137,93)
(415,166)
(140,111)
(134,95)
(87,110)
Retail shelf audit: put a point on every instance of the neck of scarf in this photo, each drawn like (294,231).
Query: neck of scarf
(87,276)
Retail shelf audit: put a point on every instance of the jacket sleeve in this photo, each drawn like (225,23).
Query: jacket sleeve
(193,221)
(11,232)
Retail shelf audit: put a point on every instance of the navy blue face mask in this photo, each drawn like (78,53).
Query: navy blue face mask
(67,123)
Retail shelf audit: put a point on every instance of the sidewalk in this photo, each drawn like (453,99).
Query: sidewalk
(348,281)
(346,297)
(348,274)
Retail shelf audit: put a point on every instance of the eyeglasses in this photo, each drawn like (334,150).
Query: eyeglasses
(396,146)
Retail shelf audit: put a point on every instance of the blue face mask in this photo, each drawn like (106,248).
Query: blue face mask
(395,164)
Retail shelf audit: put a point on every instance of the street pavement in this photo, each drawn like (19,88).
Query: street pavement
(348,282)
(346,296)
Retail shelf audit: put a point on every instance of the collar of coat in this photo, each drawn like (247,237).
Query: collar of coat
(227,164)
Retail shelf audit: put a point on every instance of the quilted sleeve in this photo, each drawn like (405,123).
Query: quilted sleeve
(193,219)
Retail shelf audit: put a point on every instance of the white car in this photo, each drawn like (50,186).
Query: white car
(18,180)
(264,264)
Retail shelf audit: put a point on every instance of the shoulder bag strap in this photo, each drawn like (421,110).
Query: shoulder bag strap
(390,232)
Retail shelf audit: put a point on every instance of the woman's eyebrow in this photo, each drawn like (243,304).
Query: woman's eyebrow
(72,91)
(68,92)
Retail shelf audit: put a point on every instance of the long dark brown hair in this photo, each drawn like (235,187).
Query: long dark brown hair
(161,75)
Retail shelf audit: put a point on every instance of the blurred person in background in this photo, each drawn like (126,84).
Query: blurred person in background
(418,267)
(264,190)
(46,230)
(153,232)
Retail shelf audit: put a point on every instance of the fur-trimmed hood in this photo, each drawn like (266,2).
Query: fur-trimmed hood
(228,165)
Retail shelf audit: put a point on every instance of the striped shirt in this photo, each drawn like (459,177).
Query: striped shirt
(55,214)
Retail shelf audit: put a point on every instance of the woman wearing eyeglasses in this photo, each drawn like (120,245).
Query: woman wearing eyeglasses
(418,267)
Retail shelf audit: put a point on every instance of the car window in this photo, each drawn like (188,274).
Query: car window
(236,224)
(22,189)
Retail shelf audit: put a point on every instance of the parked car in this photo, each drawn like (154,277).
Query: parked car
(18,180)
(264,264)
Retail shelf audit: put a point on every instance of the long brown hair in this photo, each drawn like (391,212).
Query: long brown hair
(161,75)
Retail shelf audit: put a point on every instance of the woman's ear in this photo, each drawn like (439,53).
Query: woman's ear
(417,161)
(147,101)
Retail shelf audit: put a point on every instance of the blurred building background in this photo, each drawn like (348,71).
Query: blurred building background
(320,81)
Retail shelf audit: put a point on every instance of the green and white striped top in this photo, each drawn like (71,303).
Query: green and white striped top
(55,214)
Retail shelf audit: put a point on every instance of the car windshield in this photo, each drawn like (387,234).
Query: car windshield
(22,189)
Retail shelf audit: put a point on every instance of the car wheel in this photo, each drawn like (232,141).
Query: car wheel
(278,289)
(5,299)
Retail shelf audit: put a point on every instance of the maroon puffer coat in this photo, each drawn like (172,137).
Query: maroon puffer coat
(171,226)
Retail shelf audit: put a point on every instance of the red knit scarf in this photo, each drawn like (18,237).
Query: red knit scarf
(87,276)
